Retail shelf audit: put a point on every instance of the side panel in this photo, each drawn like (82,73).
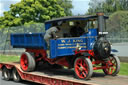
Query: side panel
(27,40)
(53,48)
(92,36)
(66,46)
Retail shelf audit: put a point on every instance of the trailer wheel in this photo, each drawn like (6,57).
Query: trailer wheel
(83,68)
(27,62)
(6,73)
(113,66)
(15,75)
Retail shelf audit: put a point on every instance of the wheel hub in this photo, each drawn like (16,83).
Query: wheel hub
(81,68)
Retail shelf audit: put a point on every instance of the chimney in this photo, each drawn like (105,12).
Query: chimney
(100,22)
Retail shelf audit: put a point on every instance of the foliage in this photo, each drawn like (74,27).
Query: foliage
(107,6)
(117,24)
(67,5)
(35,11)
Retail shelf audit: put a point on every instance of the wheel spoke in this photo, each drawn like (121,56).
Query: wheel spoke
(111,59)
(82,65)
(108,70)
(84,74)
(111,70)
(77,67)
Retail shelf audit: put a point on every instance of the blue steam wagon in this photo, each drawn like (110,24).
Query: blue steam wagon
(84,47)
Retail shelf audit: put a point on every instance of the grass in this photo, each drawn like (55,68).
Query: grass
(123,69)
(8,58)
(123,66)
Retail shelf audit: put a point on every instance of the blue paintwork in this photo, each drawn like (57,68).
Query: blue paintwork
(67,46)
(28,40)
(47,26)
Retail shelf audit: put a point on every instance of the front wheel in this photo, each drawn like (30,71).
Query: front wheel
(83,68)
(112,66)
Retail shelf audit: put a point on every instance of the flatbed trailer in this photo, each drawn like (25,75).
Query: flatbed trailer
(41,76)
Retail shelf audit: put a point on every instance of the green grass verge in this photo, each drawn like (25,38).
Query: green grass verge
(123,69)
(5,58)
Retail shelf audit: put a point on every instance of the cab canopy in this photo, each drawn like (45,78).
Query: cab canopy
(49,23)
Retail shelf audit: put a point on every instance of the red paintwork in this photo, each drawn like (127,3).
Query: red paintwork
(63,62)
(87,51)
(81,68)
(1,65)
(46,80)
(8,66)
(37,52)
(24,62)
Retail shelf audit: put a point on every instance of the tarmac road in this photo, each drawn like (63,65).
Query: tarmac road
(122,49)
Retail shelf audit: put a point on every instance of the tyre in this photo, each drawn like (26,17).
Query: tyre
(15,75)
(6,73)
(27,62)
(83,68)
(112,66)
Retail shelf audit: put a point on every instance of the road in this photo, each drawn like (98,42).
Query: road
(122,49)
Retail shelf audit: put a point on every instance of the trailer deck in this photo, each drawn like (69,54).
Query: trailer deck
(46,75)
(50,76)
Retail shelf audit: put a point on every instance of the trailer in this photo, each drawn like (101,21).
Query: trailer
(13,71)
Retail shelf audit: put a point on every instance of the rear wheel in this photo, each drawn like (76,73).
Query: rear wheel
(112,66)
(6,73)
(27,62)
(15,75)
(83,68)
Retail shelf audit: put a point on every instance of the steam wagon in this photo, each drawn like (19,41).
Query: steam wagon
(81,45)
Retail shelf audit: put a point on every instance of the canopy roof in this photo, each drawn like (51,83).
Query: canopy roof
(67,18)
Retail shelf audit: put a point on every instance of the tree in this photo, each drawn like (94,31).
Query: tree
(117,24)
(67,5)
(34,11)
(107,6)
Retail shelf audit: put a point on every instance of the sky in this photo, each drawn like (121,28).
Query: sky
(80,6)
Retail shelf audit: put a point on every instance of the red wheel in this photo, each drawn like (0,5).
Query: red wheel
(83,68)
(112,66)
(24,62)
(27,62)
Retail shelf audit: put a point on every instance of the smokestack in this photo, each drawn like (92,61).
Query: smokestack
(100,22)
